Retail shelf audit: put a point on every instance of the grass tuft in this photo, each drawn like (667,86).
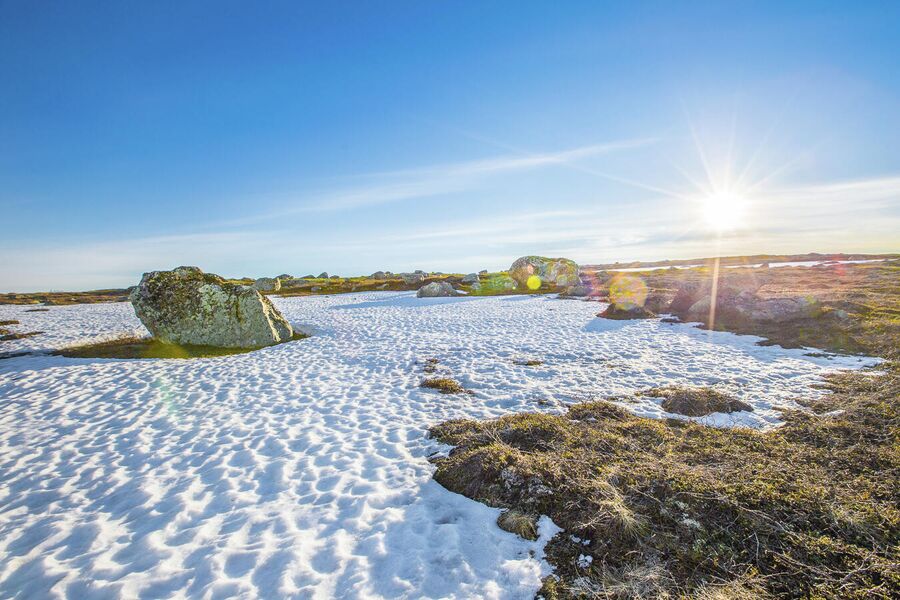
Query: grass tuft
(445,385)
(679,509)
(696,401)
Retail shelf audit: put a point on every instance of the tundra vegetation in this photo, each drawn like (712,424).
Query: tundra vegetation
(674,508)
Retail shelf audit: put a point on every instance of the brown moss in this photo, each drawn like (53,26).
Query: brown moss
(811,509)
(137,348)
(445,385)
(696,401)
(522,524)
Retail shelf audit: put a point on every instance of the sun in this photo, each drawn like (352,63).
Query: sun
(724,211)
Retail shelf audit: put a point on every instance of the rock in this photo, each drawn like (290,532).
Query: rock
(522,524)
(686,296)
(576,291)
(315,288)
(737,303)
(483,272)
(285,276)
(292,283)
(470,278)
(412,278)
(557,272)
(419,272)
(658,301)
(378,275)
(335,277)
(493,284)
(323,275)
(309,277)
(436,289)
(267,284)
(623,313)
(188,306)
(697,402)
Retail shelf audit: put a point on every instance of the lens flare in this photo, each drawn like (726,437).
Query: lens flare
(627,291)
(533,282)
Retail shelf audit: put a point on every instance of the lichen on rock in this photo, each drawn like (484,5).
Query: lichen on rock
(557,272)
(188,306)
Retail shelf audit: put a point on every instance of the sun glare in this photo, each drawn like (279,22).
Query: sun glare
(724,211)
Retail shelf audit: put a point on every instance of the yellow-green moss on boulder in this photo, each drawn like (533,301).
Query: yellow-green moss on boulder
(188,306)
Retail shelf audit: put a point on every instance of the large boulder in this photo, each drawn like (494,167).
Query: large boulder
(470,278)
(188,306)
(412,278)
(436,289)
(267,284)
(557,272)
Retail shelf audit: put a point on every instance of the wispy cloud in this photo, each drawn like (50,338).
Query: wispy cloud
(387,187)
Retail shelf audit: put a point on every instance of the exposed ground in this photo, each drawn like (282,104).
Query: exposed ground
(132,348)
(679,509)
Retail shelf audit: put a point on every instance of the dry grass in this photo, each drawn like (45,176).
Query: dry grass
(445,385)
(697,401)
(522,524)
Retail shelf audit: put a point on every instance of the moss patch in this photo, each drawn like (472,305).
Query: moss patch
(6,335)
(519,523)
(696,401)
(623,313)
(811,509)
(136,348)
(445,385)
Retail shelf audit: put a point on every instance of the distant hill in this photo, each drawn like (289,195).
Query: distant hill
(739,260)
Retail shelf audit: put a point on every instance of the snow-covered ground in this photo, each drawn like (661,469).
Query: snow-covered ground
(301,470)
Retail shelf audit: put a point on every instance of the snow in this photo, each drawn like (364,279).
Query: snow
(301,470)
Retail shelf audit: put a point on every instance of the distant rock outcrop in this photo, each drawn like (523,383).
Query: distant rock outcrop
(267,284)
(470,278)
(436,289)
(412,278)
(557,272)
(188,306)
(736,302)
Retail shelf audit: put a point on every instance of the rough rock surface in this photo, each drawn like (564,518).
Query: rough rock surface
(740,304)
(188,306)
(470,278)
(412,278)
(626,312)
(267,284)
(559,272)
(576,291)
(436,289)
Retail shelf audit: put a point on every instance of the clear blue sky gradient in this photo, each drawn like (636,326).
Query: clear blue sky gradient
(261,138)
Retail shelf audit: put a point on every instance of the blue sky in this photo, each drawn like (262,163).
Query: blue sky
(350,137)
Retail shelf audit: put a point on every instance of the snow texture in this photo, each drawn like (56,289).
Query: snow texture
(301,470)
